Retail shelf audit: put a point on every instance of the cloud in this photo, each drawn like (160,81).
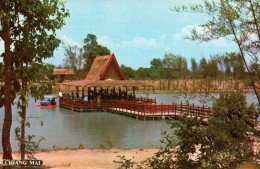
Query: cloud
(187,32)
(106,41)
(69,41)
(136,42)
(141,41)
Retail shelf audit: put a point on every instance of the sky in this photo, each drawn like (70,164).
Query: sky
(136,31)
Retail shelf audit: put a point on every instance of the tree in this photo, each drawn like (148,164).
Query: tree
(49,69)
(169,61)
(194,68)
(30,26)
(203,66)
(93,49)
(211,69)
(156,63)
(194,65)
(142,73)
(232,18)
(129,72)
(6,36)
(227,65)
(74,59)
(219,144)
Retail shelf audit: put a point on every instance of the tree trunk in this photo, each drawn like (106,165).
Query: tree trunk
(24,87)
(7,91)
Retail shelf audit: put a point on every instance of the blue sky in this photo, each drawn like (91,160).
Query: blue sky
(136,31)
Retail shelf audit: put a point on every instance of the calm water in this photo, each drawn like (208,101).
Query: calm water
(63,129)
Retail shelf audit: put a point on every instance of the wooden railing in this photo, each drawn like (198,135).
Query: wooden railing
(145,107)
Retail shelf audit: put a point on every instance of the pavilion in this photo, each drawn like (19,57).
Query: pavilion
(105,80)
(61,75)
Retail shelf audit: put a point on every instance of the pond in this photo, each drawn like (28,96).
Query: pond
(62,129)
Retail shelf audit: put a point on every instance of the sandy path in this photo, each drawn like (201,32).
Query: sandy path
(88,158)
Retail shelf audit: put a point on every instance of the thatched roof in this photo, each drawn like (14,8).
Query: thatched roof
(63,72)
(98,75)
(100,66)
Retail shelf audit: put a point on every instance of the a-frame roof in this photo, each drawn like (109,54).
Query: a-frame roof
(100,68)
(100,75)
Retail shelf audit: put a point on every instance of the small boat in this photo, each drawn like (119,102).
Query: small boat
(47,102)
(49,106)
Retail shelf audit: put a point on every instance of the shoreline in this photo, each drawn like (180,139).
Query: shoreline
(87,158)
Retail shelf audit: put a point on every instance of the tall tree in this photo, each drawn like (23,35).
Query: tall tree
(194,68)
(194,65)
(5,7)
(93,49)
(203,66)
(212,69)
(33,27)
(169,61)
(74,59)
(156,63)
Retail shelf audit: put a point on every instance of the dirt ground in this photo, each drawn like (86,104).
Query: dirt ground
(88,158)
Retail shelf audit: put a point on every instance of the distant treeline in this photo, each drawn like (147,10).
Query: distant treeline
(172,66)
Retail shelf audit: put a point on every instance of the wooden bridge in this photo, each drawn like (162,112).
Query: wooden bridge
(140,108)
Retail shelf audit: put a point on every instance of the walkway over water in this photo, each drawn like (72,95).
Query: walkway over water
(140,108)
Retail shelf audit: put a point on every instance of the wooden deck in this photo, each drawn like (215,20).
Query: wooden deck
(140,108)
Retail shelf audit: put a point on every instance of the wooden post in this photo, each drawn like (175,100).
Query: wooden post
(95,92)
(83,95)
(203,112)
(72,108)
(107,94)
(181,109)
(77,94)
(134,92)
(175,109)
(101,91)
(120,94)
(192,109)
(89,89)
(114,92)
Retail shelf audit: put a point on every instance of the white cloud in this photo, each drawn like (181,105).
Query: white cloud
(136,42)
(106,41)
(141,41)
(69,41)
(187,32)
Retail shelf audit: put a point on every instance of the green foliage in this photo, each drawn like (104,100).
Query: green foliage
(74,60)
(125,163)
(93,49)
(222,143)
(156,63)
(81,146)
(128,71)
(32,146)
(33,26)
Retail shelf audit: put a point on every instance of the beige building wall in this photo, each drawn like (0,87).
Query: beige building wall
(112,72)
